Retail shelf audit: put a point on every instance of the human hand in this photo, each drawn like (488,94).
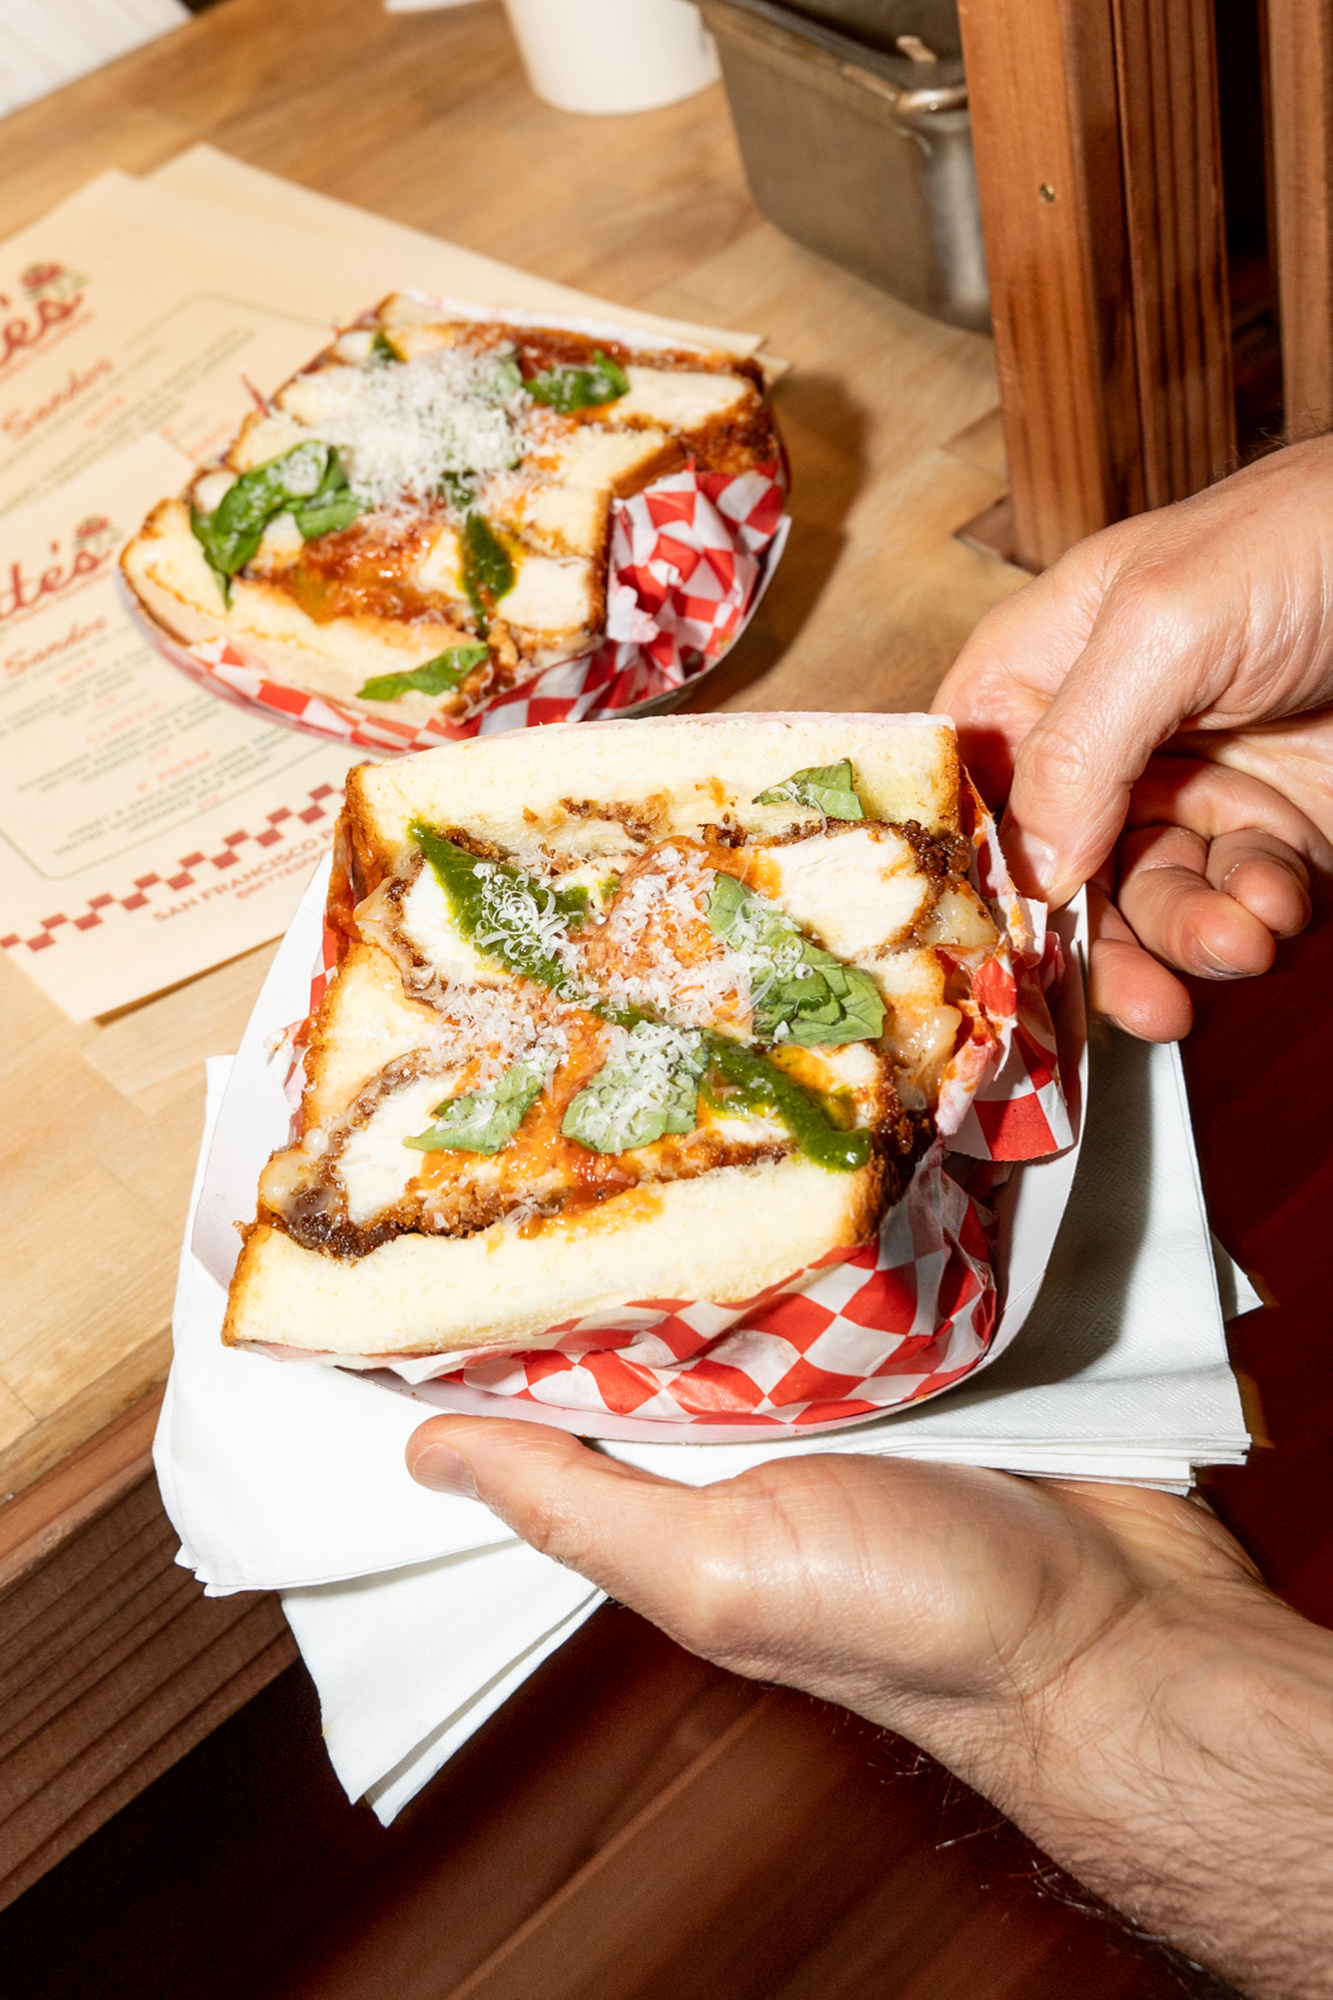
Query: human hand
(1205,629)
(903,1591)
(1099,1661)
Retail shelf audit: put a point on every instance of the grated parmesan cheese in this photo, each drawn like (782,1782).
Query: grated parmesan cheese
(674,894)
(400,429)
(647,1085)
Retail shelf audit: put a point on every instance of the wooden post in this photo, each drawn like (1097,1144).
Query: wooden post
(1098,163)
(1045,129)
(1171,151)
(1300,65)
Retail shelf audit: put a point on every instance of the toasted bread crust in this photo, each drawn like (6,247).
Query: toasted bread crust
(533,784)
(725,1236)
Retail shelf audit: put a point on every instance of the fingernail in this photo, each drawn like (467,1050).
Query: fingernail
(1210,966)
(443,1471)
(1037,862)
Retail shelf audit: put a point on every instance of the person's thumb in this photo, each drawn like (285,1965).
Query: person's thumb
(1125,695)
(642,1539)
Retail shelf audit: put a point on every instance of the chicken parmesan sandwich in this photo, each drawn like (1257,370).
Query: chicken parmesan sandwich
(421,519)
(624,1012)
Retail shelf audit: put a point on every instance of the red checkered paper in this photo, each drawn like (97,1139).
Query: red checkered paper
(690,557)
(862,1331)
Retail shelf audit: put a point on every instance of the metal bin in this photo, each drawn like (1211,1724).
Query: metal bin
(861,154)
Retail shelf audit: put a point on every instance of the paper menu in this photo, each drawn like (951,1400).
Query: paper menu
(148,829)
(139,314)
(203,173)
(122,322)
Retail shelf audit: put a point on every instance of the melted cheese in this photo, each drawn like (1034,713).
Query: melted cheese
(210,489)
(281,545)
(440,570)
(654,950)
(429,924)
(264,438)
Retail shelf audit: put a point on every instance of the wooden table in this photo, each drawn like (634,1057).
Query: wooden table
(113,1664)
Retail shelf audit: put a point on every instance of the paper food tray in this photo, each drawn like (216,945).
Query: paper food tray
(690,558)
(254,1121)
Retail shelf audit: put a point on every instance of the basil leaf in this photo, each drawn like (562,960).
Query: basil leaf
(481,1121)
(488,573)
(504,380)
(202,525)
(307,481)
(326,517)
(522,923)
(566,388)
(650,1088)
(829,788)
(761,1087)
(447,670)
(459,489)
(510,916)
(798,992)
(859,1015)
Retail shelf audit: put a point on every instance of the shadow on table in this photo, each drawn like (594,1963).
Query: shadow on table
(824,431)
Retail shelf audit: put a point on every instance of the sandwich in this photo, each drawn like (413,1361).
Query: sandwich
(623,1012)
(421,519)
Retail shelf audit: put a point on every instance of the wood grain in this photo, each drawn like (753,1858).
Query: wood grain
(112,1662)
(1045,116)
(96,1160)
(1166,71)
(1300,45)
(1099,166)
(426,118)
(244,1871)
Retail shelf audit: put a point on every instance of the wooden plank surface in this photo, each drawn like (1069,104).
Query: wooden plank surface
(586,1813)
(1166,67)
(1300,46)
(113,1664)
(1045,127)
(426,118)
(1099,167)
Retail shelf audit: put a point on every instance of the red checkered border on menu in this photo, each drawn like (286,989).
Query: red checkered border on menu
(97,908)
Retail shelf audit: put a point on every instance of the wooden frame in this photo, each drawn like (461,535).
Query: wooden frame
(1300,68)
(1099,167)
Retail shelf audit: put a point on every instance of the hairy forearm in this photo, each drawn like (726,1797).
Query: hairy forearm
(1183,1769)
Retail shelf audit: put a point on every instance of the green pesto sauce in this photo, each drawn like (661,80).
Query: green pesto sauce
(765,1089)
(504,912)
(758,1084)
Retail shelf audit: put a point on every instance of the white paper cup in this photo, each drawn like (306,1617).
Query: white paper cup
(613,55)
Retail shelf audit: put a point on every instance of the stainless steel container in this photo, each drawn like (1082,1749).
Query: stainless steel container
(862,155)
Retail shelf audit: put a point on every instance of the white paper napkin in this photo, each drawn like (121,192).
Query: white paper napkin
(419,1615)
(410,1663)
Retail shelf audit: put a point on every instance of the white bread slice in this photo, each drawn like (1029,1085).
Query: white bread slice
(165,566)
(723,1236)
(675,774)
(366,1021)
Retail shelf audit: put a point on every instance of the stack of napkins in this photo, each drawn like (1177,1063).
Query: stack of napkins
(418,1615)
